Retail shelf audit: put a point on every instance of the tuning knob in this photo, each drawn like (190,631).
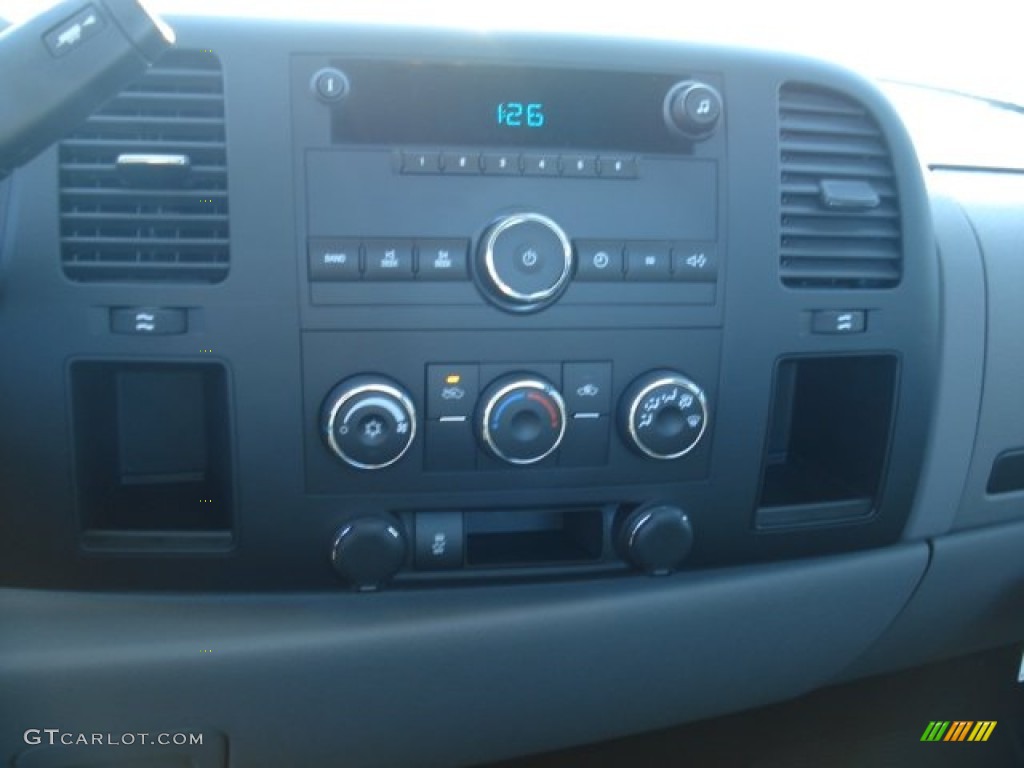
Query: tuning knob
(524,262)
(521,419)
(368,552)
(693,109)
(664,415)
(368,422)
(655,538)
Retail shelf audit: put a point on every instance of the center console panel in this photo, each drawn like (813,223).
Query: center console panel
(496,315)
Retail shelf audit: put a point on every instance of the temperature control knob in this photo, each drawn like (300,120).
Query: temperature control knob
(368,422)
(693,109)
(524,262)
(663,415)
(521,419)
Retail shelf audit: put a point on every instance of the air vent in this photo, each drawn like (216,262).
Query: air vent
(143,182)
(840,210)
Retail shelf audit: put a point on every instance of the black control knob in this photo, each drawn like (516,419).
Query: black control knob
(369,422)
(524,262)
(369,551)
(693,109)
(521,419)
(655,538)
(663,415)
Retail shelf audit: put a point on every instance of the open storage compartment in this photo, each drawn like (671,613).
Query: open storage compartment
(828,440)
(152,454)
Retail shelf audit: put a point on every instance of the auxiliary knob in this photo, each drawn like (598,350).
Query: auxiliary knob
(368,422)
(655,538)
(664,415)
(693,109)
(524,262)
(368,552)
(521,419)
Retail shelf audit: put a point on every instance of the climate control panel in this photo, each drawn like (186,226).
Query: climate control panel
(520,418)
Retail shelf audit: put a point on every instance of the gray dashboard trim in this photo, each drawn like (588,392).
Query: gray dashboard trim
(441,678)
(960,375)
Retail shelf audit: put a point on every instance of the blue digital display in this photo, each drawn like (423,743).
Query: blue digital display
(517,114)
(425,104)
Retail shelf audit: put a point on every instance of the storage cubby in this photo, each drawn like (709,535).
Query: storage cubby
(828,439)
(152,450)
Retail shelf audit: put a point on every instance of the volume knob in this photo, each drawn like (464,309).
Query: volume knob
(524,262)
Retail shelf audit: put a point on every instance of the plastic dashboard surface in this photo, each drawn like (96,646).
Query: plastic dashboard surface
(214,463)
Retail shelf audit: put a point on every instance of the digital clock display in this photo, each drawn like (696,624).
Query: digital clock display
(516,114)
(405,104)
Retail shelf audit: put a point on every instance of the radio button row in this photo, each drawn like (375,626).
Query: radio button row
(646,261)
(338,259)
(456,163)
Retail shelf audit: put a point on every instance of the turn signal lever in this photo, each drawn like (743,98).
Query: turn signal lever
(58,67)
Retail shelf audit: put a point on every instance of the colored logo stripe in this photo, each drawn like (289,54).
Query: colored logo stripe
(958,730)
(982,730)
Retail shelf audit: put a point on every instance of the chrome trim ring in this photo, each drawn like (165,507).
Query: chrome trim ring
(538,384)
(673,380)
(504,288)
(403,402)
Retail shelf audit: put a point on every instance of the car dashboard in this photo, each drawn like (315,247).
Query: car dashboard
(390,396)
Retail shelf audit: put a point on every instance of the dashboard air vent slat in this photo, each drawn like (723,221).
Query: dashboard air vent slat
(826,141)
(138,219)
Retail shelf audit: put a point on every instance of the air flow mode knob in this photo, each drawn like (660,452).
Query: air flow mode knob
(663,415)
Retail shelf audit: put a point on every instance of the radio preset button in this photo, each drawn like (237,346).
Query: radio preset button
(540,165)
(647,262)
(421,162)
(598,260)
(388,259)
(618,167)
(580,166)
(498,164)
(460,163)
